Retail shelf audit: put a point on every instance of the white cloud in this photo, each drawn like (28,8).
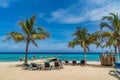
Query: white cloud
(98,13)
(96,1)
(41,15)
(92,11)
(6,3)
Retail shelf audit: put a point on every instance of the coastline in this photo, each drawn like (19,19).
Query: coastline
(93,71)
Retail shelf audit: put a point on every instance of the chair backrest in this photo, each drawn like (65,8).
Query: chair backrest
(56,63)
(82,62)
(74,62)
(47,64)
(66,61)
(34,64)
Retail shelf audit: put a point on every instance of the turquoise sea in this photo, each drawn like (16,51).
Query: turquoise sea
(15,56)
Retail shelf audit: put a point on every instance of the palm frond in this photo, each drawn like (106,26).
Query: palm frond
(71,44)
(40,36)
(16,36)
(104,24)
(33,42)
(39,30)
(23,27)
(32,22)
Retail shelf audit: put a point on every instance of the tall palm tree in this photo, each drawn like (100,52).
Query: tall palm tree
(29,35)
(112,24)
(82,38)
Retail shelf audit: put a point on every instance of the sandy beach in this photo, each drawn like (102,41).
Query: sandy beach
(93,71)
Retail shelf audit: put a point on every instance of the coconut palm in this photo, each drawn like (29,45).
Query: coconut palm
(82,38)
(29,35)
(112,24)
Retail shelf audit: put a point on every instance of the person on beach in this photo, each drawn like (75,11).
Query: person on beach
(34,56)
(21,59)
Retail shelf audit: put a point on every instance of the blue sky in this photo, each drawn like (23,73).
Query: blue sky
(59,17)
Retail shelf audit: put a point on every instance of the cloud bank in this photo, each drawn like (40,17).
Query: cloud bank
(88,10)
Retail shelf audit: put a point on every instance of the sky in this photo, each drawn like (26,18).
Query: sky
(58,17)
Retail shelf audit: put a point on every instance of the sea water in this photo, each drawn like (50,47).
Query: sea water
(15,56)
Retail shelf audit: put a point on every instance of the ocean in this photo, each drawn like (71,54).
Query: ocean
(15,56)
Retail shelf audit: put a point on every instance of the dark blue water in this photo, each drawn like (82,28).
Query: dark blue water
(15,56)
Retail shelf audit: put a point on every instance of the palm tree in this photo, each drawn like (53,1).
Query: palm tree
(112,23)
(82,38)
(29,35)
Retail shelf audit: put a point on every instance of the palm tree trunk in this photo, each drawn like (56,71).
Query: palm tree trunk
(26,54)
(85,59)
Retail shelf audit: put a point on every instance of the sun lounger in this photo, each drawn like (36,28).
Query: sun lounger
(74,62)
(66,62)
(82,62)
(115,72)
(25,66)
(47,66)
(32,66)
(61,64)
(35,66)
(58,65)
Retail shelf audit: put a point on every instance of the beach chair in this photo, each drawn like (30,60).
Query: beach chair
(82,62)
(115,72)
(47,66)
(66,62)
(74,62)
(35,66)
(25,66)
(32,66)
(58,65)
(61,64)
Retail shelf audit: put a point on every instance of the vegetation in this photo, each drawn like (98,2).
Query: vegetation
(103,38)
(29,35)
(84,39)
(112,24)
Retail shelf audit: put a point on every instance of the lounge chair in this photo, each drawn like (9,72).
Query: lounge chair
(32,66)
(61,64)
(58,65)
(47,66)
(66,62)
(35,66)
(26,66)
(82,62)
(74,62)
(115,72)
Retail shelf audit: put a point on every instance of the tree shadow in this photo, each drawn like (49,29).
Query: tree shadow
(99,65)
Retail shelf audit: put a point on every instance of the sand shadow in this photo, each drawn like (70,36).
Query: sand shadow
(98,65)
(16,65)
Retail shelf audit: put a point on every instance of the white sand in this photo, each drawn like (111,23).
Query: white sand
(93,71)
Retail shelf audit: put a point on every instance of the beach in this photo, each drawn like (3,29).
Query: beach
(92,71)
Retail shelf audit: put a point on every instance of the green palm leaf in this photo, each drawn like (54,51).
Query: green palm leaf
(30,34)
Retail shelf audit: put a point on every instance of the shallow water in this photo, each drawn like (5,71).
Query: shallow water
(15,56)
